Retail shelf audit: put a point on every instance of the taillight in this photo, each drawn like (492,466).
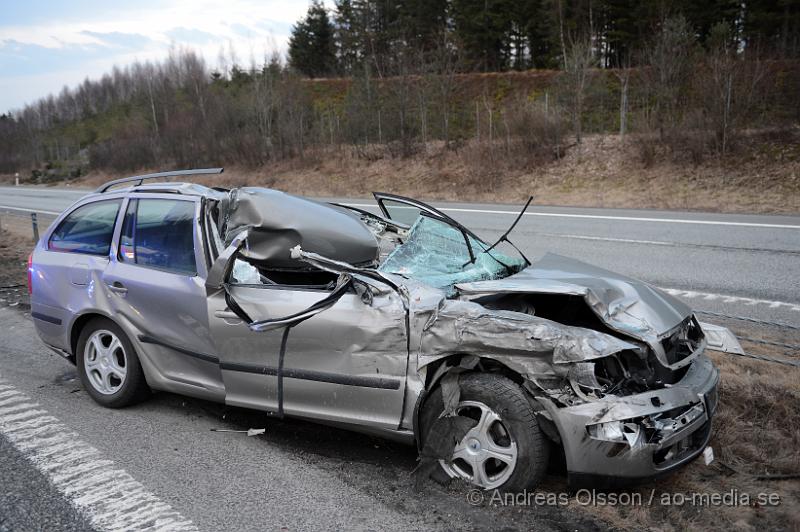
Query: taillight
(30,274)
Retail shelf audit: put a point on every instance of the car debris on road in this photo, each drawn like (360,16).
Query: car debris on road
(249,432)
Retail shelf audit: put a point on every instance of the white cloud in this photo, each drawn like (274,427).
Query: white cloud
(253,28)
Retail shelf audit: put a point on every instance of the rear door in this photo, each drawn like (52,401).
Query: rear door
(67,263)
(156,283)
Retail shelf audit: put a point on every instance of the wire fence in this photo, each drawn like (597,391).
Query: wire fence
(794,348)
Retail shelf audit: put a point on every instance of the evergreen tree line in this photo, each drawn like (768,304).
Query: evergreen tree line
(498,35)
(675,87)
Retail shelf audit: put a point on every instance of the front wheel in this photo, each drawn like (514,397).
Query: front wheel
(505,448)
(108,366)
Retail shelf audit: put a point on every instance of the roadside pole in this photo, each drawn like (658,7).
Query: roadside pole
(35,224)
(16,179)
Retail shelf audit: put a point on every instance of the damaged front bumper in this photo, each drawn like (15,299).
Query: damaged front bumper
(626,440)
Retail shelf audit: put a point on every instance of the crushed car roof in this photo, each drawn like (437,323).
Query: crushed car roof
(277,221)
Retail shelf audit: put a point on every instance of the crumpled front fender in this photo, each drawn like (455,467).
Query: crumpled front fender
(441,327)
(464,327)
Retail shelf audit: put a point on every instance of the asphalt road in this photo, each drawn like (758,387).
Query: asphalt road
(732,263)
(296,476)
(27,499)
(299,475)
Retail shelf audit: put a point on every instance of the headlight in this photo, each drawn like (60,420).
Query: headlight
(616,431)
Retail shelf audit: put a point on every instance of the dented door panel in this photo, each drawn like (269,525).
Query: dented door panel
(348,363)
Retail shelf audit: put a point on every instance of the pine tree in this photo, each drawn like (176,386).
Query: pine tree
(483,28)
(348,32)
(422,22)
(311,45)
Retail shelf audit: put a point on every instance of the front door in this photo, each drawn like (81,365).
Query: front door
(346,363)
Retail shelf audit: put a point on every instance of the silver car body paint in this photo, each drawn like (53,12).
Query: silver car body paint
(278,221)
(628,306)
(365,362)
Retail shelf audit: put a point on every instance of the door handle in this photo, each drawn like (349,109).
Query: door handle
(226,315)
(118,288)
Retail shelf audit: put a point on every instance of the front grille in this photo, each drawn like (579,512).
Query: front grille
(675,453)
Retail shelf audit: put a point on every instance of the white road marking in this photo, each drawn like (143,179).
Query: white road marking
(604,217)
(691,294)
(23,415)
(38,211)
(11,400)
(610,239)
(547,214)
(666,243)
(24,434)
(7,391)
(109,497)
(17,408)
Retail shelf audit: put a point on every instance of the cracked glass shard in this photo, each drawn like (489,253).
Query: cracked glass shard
(245,273)
(437,254)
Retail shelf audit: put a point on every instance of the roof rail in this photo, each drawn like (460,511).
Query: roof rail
(141,178)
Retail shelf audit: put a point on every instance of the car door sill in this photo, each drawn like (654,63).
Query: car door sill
(146,339)
(318,376)
(361,381)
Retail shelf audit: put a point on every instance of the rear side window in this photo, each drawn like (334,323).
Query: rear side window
(88,229)
(159,233)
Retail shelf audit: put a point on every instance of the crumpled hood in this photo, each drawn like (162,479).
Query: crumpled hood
(626,305)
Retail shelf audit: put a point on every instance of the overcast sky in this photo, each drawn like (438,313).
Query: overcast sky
(46,44)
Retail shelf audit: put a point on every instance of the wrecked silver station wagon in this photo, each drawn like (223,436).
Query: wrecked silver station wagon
(404,324)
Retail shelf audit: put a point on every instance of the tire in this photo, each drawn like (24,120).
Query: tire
(518,428)
(109,371)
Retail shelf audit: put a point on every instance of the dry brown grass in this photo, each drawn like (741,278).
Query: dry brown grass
(14,248)
(756,432)
(606,171)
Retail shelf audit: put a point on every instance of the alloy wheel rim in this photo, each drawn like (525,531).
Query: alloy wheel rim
(487,455)
(105,362)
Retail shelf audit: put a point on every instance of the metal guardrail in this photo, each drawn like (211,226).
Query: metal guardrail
(759,341)
(747,319)
(795,363)
(792,347)
(18,220)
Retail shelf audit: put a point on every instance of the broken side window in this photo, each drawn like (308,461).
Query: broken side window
(245,273)
(438,254)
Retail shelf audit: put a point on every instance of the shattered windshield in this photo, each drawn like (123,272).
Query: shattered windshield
(436,253)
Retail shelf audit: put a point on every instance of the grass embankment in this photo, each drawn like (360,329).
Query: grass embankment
(762,176)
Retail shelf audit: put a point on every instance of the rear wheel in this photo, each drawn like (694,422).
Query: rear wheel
(108,366)
(505,449)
